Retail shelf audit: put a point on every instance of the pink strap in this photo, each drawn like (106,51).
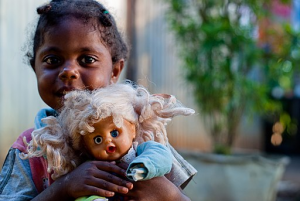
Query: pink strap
(19,143)
(38,165)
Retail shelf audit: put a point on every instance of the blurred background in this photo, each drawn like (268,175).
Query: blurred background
(234,62)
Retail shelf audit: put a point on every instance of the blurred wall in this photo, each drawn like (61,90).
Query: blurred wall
(19,99)
(159,68)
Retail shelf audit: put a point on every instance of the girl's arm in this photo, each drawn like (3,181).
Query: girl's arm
(158,188)
(90,178)
(155,189)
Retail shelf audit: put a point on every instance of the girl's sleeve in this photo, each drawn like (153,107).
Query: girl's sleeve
(16,179)
(182,171)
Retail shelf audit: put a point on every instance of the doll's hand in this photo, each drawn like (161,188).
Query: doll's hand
(95,178)
(159,188)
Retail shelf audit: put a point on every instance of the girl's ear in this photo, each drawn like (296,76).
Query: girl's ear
(32,64)
(116,71)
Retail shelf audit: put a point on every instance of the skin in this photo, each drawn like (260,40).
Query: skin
(108,142)
(69,60)
(73,57)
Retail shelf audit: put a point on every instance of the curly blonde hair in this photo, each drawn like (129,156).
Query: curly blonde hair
(60,140)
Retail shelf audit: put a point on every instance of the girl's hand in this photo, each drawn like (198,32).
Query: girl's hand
(90,178)
(159,188)
(96,178)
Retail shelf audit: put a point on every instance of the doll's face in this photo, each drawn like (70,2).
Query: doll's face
(108,142)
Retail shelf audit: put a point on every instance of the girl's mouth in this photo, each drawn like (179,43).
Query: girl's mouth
(110,149)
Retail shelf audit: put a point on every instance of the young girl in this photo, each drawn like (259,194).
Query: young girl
(114,123)
(77,46)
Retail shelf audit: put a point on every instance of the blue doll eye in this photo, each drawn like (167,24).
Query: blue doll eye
(114,133)
(98,139)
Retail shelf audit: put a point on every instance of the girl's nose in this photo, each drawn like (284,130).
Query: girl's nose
(69,71)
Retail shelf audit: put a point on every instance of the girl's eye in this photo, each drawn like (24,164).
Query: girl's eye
(87,60)
(51,60)
(114,133)
(98,139)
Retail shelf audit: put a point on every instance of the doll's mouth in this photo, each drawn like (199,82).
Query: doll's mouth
(110,149)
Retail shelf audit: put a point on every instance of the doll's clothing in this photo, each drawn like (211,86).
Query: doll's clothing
(137,173)
(17,180)
(131,155)
(151,158)
(154,157)
(91,198)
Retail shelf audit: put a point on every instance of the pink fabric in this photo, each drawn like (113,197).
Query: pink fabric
(19,144)
(41,178)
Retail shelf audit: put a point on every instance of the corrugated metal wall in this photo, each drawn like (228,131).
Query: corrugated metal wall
(19,99)
(159,70)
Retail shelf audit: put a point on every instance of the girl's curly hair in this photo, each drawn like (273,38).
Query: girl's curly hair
(90,12)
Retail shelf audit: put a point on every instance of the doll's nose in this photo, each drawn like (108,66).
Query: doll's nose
(108,140)
(69,71)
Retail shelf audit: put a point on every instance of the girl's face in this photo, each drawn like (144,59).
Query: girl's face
(72,57)
(108,142)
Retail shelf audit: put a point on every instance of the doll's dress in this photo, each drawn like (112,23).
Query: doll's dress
(92,198)
(136,172)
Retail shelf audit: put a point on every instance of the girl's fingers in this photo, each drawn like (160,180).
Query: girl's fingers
(106,179)
(109,167)
(123,165)
(109,186)
(97,178)
(116,181)
(100,192)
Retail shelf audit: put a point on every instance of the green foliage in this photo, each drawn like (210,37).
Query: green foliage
(229,72)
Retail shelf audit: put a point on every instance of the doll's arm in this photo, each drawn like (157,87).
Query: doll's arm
(153,160)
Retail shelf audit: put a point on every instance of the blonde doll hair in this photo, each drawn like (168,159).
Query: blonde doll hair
(60,139)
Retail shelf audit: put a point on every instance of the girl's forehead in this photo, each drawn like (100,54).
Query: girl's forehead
(89,25)
(74,35)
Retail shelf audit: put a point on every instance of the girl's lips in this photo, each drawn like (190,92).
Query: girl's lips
(110,149)
(64,90)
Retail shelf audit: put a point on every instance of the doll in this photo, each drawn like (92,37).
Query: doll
(120,122)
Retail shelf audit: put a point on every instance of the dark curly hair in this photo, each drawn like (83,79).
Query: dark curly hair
(89,12)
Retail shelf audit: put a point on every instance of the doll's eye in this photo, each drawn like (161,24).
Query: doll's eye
(114,133)
(98,139)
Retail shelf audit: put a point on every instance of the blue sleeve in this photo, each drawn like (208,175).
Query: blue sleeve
(15,178)
(155,157)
